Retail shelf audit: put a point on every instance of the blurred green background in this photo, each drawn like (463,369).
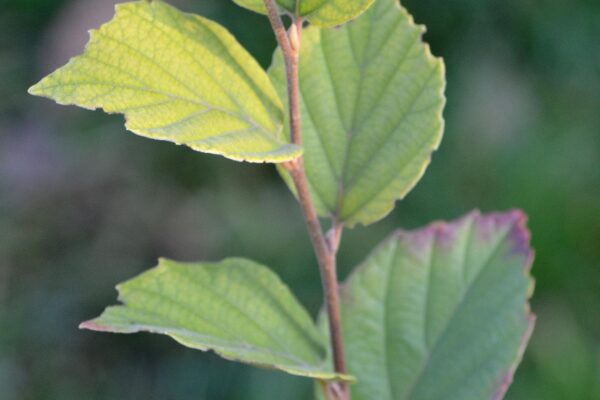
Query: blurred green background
(84,205)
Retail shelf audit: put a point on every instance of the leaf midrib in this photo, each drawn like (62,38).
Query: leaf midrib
(240,115)
(378,190)
(240,72)
(308,336)
(236,307)
(285,354)
(343,186)
(459,306)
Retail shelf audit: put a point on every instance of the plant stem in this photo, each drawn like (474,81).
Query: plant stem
(326,255)
(291,54)
(325,246)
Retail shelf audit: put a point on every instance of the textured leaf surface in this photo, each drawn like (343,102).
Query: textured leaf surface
(372,97)
(441,313)
(237,308)
(323,13)
(176,77)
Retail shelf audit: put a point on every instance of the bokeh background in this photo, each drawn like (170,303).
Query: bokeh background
(84,205)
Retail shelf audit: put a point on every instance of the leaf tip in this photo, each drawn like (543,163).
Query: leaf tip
(92,325)
(36,90)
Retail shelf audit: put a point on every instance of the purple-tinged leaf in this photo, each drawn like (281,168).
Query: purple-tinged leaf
(441,313)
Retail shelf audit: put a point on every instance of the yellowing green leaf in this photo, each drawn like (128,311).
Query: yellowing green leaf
(237,308)
(441,313)
(372,102)
(259,5)
(336,12)
(176,77)
(323,13)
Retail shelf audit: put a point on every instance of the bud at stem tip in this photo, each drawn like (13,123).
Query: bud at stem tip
(294,38)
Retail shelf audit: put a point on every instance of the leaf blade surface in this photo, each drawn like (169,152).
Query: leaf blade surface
(176,77)
(236,307)
(372,103)
(441,312)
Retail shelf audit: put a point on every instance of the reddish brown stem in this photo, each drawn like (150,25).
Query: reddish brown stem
(325,246)
(325,251)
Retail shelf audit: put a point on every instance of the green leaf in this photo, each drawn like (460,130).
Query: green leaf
(176,77)
(373,97)
(323,13)
(236,307)
(441,312)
